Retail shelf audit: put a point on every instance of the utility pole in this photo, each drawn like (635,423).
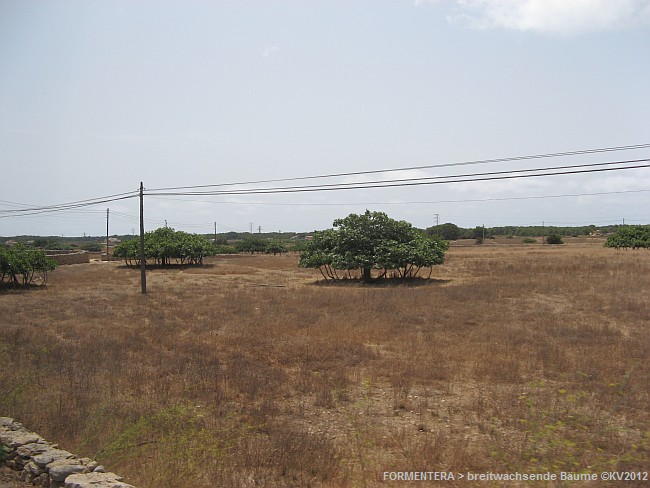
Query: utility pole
(143,263)
(259,229)
(215,232)
(251,226)
(108,257)
(543,234)
(437,219)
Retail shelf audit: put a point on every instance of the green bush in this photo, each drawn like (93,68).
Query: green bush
(554,239)
(251,245)
(529,240)
(92,247)
(276,247)
(224,249)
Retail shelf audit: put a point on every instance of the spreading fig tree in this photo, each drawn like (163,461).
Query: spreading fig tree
(360,243)
(165,246)
(24,266)
(634,236)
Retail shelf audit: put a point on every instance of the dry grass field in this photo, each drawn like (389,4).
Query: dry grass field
(252,372)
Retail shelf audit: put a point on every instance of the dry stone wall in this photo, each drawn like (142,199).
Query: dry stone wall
(69,257)
(42,463)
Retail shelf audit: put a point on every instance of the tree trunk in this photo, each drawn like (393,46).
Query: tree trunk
(367,277)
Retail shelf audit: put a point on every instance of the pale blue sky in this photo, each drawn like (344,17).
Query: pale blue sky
(96,96)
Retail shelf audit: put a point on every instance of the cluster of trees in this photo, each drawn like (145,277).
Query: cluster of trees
(23,266)
(634,236)
(254,244)
(452,232)
(165,246)
(360,243)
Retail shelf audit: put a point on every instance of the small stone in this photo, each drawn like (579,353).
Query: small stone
(95,480)
(61,472)
(52,455)
(34,468)
(99,469)
(6,421)
(41,479)
(26,476)
(17,438)
(32,449)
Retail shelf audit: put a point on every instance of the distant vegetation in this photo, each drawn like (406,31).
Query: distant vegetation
(634,236)
(361,243)
(258,245)
(296,241)
(451,232)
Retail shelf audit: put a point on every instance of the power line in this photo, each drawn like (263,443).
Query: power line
(410,168)
(489,176)
(76,206)
(428,202)
(66,206)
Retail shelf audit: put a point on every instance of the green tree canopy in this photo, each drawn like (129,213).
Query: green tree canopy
(23,266)
(164,246)
(447,231)
(360,243)
(251,245)
(634,236)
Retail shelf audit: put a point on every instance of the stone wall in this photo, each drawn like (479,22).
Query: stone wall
(69,257)
(42,463)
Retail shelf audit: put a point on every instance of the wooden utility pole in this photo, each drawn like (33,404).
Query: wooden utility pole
(215,233)
(108,257)
(143,263)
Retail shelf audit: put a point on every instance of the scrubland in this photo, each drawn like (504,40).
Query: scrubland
(251,372)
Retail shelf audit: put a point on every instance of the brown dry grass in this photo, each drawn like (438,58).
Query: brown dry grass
(249,372)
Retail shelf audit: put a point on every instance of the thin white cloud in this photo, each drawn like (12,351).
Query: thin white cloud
(563,17)
(270,51)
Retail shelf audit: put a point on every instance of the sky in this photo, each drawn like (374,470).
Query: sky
(98,96)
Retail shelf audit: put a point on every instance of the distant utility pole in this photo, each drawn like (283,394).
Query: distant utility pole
(543,234)
(437,219)
(215,232)
(259,229)
(143,263)
(483,232)
(251,226)
(108,258)
(623,220)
